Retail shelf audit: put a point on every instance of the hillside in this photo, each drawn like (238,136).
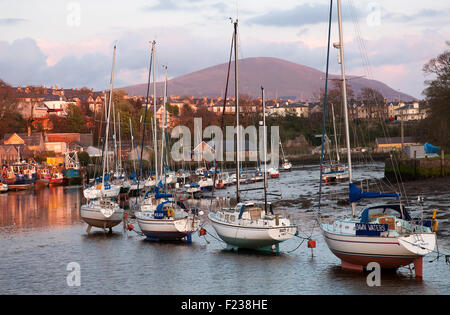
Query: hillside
(280,78)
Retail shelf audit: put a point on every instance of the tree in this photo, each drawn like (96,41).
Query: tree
(438,97)
(10,118)
(84,158)
(75,119)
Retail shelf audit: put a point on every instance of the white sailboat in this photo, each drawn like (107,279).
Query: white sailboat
(160,217)
(251,225)
(286,165)
(334,171)
(101,210)
(385,234)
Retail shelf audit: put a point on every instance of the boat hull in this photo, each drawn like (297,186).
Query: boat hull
(94,217)
(358,251)
(167,229)
(252,237)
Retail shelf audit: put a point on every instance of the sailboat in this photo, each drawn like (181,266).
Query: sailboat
(385,234)
(335,170)
(102,211)
(160,217)
(286,165)
(251,224)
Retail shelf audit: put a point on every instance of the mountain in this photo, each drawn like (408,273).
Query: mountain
(280,78)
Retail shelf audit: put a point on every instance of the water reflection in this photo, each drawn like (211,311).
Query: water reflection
(54,206)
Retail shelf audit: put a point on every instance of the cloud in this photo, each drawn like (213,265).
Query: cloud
(304,14)
(395,60)
(165,5)
(11,21)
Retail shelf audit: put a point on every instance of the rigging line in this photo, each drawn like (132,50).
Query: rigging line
(145,119)
(325,103)
(223,113)
(367,68)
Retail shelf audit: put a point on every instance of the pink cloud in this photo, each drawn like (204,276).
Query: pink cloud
(55,50)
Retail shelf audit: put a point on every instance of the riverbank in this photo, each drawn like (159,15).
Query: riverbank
(414,169)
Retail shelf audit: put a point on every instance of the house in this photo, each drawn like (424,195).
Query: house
(394,143)
(8,154)
(410,111)
(203,151)
(415,151)
(86,139)
(33,141)
(248,149)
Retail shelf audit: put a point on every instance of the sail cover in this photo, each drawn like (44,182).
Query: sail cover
(159,195)
(430,149)
(356,194)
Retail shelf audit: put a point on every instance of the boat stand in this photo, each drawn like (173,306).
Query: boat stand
(418,267)
(232,248)
(88,229)
(189,238)
(348,266)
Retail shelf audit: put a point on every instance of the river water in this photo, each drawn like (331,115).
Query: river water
(41,233)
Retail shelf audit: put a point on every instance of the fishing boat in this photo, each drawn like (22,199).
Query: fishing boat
(72,170)
(20,176)
(103,211)
(57,178)
(383,233)
(251,224)
(43,177)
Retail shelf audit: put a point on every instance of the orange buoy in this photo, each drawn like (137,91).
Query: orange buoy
(130,227)
(202,232)
(311,244)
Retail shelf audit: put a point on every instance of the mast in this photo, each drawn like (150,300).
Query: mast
(120,147)
(143,129)
(344,98)
(132,144)
(111,85)
(325,107)
(164,130)
(155,133)
(265,149)
(116,159)
(236,93)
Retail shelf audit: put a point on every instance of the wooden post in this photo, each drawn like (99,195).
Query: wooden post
(415,164)
(402,135)
(442,162)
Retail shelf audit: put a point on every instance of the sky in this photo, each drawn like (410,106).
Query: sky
(70,43)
